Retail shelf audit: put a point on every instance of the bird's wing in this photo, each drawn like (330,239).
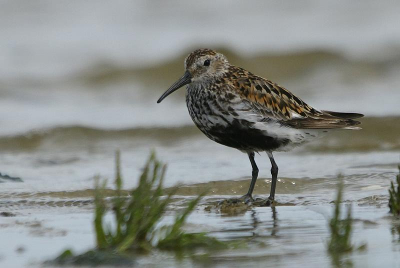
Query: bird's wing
(273,102)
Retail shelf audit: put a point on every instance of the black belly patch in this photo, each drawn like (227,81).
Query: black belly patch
(242,136)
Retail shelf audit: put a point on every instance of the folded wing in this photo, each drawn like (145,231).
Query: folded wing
(273,102)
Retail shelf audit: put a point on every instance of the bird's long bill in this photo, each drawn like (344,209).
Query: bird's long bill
(184,80)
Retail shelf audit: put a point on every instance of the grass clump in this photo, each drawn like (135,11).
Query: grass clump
(340,229)
(394,196)
(136,217)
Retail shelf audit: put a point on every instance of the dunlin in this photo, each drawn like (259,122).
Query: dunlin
(236,108)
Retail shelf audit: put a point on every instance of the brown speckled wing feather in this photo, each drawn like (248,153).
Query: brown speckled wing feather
(276,102)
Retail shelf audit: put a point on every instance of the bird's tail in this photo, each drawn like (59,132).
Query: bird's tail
(349,118)
(344,115)
(327,120)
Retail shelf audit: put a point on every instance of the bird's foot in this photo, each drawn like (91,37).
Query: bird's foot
(247,199)
(270,202)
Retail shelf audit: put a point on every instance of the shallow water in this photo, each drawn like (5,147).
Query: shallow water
(274,237)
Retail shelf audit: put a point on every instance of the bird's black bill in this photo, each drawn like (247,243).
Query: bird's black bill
(184,80)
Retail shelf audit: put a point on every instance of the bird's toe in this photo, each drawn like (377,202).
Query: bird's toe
(270,202)
(247,199)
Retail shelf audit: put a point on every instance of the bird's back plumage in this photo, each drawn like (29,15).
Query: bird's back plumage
(278,103)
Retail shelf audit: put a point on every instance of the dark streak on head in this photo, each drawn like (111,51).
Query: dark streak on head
(197,54)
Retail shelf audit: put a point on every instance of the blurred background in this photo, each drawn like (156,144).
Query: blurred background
(79,79)
(103,64)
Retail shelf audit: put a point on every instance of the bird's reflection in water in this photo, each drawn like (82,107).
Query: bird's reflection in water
(274,221)
(256,222)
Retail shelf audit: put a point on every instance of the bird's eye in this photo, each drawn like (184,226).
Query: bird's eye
(207,63)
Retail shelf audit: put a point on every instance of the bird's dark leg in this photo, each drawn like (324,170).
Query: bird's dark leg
(274,173)
(248,197)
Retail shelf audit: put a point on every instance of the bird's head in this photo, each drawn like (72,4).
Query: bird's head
(201,66)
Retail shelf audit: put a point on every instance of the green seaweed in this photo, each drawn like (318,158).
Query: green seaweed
(135,217)
(136,221)
(394,196)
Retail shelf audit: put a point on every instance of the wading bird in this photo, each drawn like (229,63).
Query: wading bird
(236,108)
